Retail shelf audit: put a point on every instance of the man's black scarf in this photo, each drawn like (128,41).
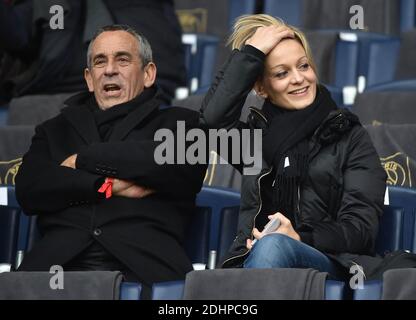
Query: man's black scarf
(106,120)
(286,148)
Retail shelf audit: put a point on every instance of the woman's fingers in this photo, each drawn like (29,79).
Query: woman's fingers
(266,38)
(256,233)
(283,220)
(249,244)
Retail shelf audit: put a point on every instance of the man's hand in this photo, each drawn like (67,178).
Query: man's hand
(266,38)
(128,189)
(284,228)
(70,161)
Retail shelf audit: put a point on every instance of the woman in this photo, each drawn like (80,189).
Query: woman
(321,177)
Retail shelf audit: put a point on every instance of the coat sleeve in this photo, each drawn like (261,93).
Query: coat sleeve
(223,103)
(146,163)
(355,229)
(43,186)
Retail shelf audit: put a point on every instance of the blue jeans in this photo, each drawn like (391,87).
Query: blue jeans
(280,251)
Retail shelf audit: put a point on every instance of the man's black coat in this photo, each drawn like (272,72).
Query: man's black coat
(145,234)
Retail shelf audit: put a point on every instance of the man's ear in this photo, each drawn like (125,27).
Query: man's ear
(259,88)
(88,79)
(149,74)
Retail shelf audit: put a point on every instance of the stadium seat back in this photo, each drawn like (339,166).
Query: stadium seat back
(390,235)
(9,225)
(372,290)
(228,229)
(407,15)
(170,290)
(289,11)
(237,8)
(334,290)
(406,198)
(130,291)
(219,199)
(198,235)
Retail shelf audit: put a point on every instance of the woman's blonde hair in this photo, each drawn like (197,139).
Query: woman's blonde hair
(246,25)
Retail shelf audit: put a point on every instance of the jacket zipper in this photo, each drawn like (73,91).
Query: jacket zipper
(297,216)
(254,219)
(259,113)
(261,201)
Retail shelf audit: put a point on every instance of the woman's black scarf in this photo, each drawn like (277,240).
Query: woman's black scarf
(286,148)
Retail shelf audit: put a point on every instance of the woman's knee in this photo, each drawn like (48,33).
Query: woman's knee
(275,241)
(271,251)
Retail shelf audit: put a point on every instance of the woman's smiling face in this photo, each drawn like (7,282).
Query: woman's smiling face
(289,80)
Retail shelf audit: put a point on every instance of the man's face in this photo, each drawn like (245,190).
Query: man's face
(117,74)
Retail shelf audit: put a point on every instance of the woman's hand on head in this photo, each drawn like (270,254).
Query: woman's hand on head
(266,38)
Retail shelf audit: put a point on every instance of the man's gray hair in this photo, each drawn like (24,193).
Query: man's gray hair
(145,50)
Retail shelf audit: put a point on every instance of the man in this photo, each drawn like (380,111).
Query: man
(134,221)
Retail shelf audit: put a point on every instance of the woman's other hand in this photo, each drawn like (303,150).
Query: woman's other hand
(257,235)
(285,226)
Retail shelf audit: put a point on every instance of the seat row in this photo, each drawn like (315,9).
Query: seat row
(212,230)
(174,290)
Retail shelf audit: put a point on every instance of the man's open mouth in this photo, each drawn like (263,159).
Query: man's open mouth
(112,89)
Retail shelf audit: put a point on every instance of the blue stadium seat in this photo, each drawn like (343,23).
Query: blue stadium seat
(372,291)
(346,62)
(289,11)
(237,8)
(381,52)
(336,94)
(371,50)
(406,198)
(9,224)
(401,85)
(219,199)
(19,230)
(407,15)
(170,290)
(344,72)
(200,58)
(334,290)
(228,230)
(130,291)
(33,233)
(390,234)
(198,235)
(4,112)
(23,239)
